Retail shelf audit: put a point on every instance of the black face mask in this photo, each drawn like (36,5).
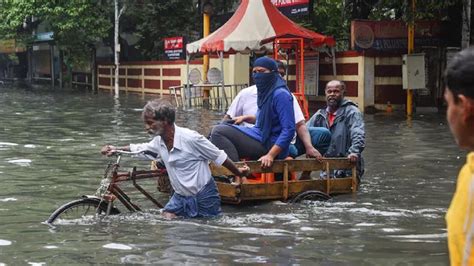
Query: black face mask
(264,81)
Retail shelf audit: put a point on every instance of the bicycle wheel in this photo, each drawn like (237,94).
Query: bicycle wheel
(80,208)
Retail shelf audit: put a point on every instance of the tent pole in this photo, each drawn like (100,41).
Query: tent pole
(301,43)
(333,52)
(303,96)
(275,49)
(186,86)
(221,58)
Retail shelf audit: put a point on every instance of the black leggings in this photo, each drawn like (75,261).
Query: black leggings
(236,144)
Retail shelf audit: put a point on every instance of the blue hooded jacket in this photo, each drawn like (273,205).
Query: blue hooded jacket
(275,123)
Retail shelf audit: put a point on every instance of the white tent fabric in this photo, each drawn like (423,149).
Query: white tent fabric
(252,22)
(252,27)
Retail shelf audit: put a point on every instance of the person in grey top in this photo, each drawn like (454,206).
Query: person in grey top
(343,118)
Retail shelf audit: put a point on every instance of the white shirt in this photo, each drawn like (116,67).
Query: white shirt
(187,162)
(245,103)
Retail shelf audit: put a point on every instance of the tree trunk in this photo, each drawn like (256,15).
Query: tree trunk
(61,85)
(93,70)
(466,24)
(51,53)
(311,11)
(30,64)
(117,48)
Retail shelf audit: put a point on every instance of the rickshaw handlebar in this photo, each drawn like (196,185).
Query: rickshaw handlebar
(149,154)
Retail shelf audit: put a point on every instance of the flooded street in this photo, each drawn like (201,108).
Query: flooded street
(49,154)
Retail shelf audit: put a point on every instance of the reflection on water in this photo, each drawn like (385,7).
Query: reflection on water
(49,143)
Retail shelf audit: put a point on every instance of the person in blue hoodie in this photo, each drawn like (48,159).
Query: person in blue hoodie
(274,129)
(343,118)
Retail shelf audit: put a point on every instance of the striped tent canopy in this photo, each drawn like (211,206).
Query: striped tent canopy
(254,24)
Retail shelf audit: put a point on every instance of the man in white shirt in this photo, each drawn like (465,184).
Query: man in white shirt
(243,109)
(186,155)
(312,141)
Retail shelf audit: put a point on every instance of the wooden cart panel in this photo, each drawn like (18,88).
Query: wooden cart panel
(283,190)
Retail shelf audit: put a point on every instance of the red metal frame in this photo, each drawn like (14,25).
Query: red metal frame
(298,45)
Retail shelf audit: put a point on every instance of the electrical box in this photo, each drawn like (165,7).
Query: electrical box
(413,71)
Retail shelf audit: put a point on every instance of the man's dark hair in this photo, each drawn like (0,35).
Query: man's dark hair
(161,110)
(459,74)
(280,64)
(341,84)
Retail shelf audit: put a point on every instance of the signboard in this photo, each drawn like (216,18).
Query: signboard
(311,74)
(292,7)
(11,46)
(7,46)
(392,35)
(44,36)
(289,8)
(174,48)
(41,47)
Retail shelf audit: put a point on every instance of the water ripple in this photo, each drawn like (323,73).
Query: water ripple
(4,242)
(20,162)
(117,246)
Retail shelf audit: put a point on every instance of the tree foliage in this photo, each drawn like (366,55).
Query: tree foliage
(333,17)
(329,18)
(152,21)
(13,17)
(401,9)
(77,25)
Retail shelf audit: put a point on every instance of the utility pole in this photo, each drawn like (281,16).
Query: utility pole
(466,24)
(411,48)
(117,44)
(207,10)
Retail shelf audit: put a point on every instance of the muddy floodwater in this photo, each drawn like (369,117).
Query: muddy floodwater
(49,154)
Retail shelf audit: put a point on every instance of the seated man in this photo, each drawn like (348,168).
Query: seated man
(186,155)
(313,141)
(346,123)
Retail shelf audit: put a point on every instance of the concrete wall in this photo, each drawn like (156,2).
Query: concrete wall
(388,82)
(350,67)
(158,76)
(236,71)
(372,80)
(145,77)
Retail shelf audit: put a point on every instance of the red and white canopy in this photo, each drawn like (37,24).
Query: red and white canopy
(255,21)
